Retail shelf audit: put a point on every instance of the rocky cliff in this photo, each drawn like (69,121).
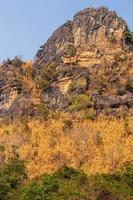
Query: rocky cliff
(85,65)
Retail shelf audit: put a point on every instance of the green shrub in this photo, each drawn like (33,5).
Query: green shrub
(49,72)
(44,84)
(77,84)
(32,192)
(47,75)
(44,111)
(128,37)
(11,175)
(72,184)
(79,102)
(40,50)
(90,113)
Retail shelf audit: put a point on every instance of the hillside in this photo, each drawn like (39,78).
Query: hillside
(72,106)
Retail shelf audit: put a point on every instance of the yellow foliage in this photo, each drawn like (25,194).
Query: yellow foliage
(93,146)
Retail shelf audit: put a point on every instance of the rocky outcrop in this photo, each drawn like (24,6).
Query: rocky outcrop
(86,63)
(82,52)
(91,30)
(15,96)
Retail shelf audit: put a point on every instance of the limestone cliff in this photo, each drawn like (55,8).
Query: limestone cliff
(85,64)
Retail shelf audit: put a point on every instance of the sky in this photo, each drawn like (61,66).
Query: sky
(27,24)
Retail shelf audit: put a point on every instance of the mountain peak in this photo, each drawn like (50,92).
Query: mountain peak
(80,67)
(91,29)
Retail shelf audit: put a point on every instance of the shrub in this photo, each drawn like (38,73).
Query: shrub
(69,183)
(11,176)
(80,83)
(90,113)
(49,73)
(44,84)
(79,102)
(44,111)
(17,62)
(17,84)
(40,50)
(113,38)
(2,148)
(128,37)
(70,50)
(68,124)
(129,85)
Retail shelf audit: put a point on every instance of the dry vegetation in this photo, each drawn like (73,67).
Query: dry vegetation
(99,146)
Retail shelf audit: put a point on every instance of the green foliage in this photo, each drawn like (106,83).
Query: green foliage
(40,50)
(48,74)
(66,183)
(79,102)
(44,84)
(128,37)
(11,176)
(44,111)
(90,113)
(78,84)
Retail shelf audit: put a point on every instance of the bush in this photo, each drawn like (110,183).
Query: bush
(68,124)
(44,111)
(17,62)
(90,113)
(64,184)
(18,85)
(128,37)
(80,83)
(44,84)
(69,183)
(79,102)
(40,50)
(49,73)
(129,85)
(11,175)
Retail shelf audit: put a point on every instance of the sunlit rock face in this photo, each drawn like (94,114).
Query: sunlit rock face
(80,51)
(86,58)
(91,30)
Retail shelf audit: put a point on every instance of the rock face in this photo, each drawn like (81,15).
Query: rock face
(87,55)
(85,64)
(91,30)
(15,95)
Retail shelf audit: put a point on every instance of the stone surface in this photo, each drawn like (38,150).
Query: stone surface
(85,57)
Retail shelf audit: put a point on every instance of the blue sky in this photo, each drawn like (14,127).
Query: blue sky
(27,24)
